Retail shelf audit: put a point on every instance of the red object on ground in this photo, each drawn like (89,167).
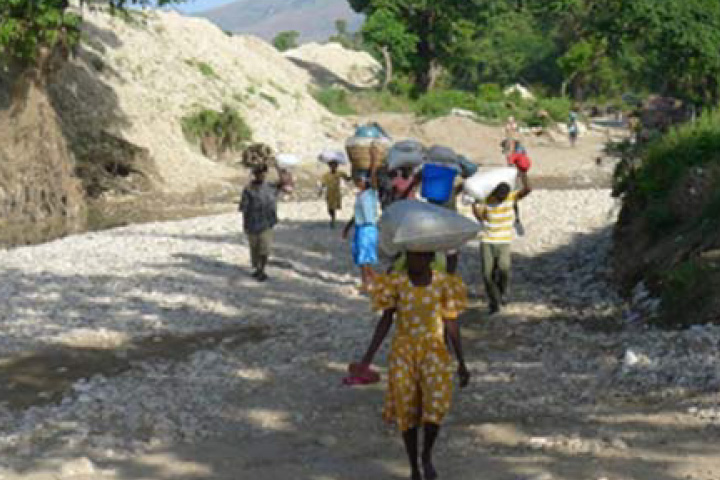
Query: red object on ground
(361,375)
(520,160)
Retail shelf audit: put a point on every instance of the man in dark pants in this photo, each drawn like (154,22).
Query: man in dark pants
(259,209)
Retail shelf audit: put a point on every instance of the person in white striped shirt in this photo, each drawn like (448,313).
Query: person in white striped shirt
(497,214)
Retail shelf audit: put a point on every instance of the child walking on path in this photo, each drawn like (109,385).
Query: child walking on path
(258,206)
(423,303)
(333,194)
(365,241)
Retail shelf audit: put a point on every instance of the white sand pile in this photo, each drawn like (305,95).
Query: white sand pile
(358,69)
(137,79)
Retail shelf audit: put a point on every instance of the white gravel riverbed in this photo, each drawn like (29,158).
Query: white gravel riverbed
(101,289)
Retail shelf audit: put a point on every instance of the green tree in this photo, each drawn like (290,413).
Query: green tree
(34,31)
(430,25)
(286,40)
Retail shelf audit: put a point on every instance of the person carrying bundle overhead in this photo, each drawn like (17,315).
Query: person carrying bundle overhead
(258,206)
(365,240)
(422,303)
(497,214)
(331,183)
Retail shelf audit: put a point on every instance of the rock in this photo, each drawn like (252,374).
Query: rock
(77,467)
(327,441)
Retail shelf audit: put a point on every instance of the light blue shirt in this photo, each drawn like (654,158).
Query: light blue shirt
(366,207)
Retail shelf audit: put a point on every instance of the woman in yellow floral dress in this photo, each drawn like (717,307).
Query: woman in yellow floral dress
(333,194)
(420,367)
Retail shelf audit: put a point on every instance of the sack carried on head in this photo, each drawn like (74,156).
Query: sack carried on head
(407,153)
(482,184)
(287,160)
(441,155)
(330,156)
(414,226)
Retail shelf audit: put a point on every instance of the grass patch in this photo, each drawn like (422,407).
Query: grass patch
(227,127)
(204,68)
(368,102)
(335,100)
(270,99)
(279,87)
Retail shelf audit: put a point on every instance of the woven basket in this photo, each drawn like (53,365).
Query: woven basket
(361,155)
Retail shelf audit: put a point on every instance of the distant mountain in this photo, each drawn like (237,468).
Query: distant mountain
(314,19)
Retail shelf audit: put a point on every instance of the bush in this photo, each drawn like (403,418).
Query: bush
(670,158)
(557,107)
(441,102)
(491,92)
(227,127)
(335,100)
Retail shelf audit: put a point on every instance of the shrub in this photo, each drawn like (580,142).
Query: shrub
(491,92)
(441,102)
(227,127)
(335,100)
(669,158)
(557,107)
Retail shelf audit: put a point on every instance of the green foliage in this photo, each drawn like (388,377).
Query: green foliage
(286,40)
(204,68)
(269,98)
(491,92)
(440,102)
(227,126)
(369,102)
(28,26)
(668,160)
(557,107)
(335,100)
(685,288)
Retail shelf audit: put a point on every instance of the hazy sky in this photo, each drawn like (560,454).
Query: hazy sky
(199,5)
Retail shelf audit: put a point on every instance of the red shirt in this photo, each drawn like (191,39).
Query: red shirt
(520,160)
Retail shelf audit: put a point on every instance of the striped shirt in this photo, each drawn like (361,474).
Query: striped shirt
(499,220)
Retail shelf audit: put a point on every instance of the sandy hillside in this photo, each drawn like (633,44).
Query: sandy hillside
(137,79)
(349,68)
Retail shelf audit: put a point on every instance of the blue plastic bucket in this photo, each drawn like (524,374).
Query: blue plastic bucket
(437,182)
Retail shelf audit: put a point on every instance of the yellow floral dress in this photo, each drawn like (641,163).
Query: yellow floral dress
(333,194)
(420,366)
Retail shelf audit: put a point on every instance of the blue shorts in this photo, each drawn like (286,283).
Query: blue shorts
(365,245)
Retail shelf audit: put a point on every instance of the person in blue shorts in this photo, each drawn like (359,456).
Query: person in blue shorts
(365,240)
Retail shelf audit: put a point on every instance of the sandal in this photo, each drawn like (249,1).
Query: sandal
(364,372)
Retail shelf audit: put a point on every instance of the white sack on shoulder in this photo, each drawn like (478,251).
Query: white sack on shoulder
(482,184)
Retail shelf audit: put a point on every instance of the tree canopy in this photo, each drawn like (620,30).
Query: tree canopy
(580,47)
(27,27)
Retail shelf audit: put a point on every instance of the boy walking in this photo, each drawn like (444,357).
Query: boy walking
(497,215)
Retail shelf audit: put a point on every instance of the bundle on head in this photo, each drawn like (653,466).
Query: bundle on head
(258,154)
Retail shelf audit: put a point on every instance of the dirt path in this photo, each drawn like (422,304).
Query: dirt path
(555,393)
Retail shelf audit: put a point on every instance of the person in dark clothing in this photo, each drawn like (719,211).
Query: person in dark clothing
(258,206)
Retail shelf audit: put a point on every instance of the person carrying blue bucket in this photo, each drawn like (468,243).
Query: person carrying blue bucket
(441,185)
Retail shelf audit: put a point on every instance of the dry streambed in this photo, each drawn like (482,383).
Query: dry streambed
(160,358)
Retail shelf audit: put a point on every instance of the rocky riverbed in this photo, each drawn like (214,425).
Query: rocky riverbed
(148,352)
